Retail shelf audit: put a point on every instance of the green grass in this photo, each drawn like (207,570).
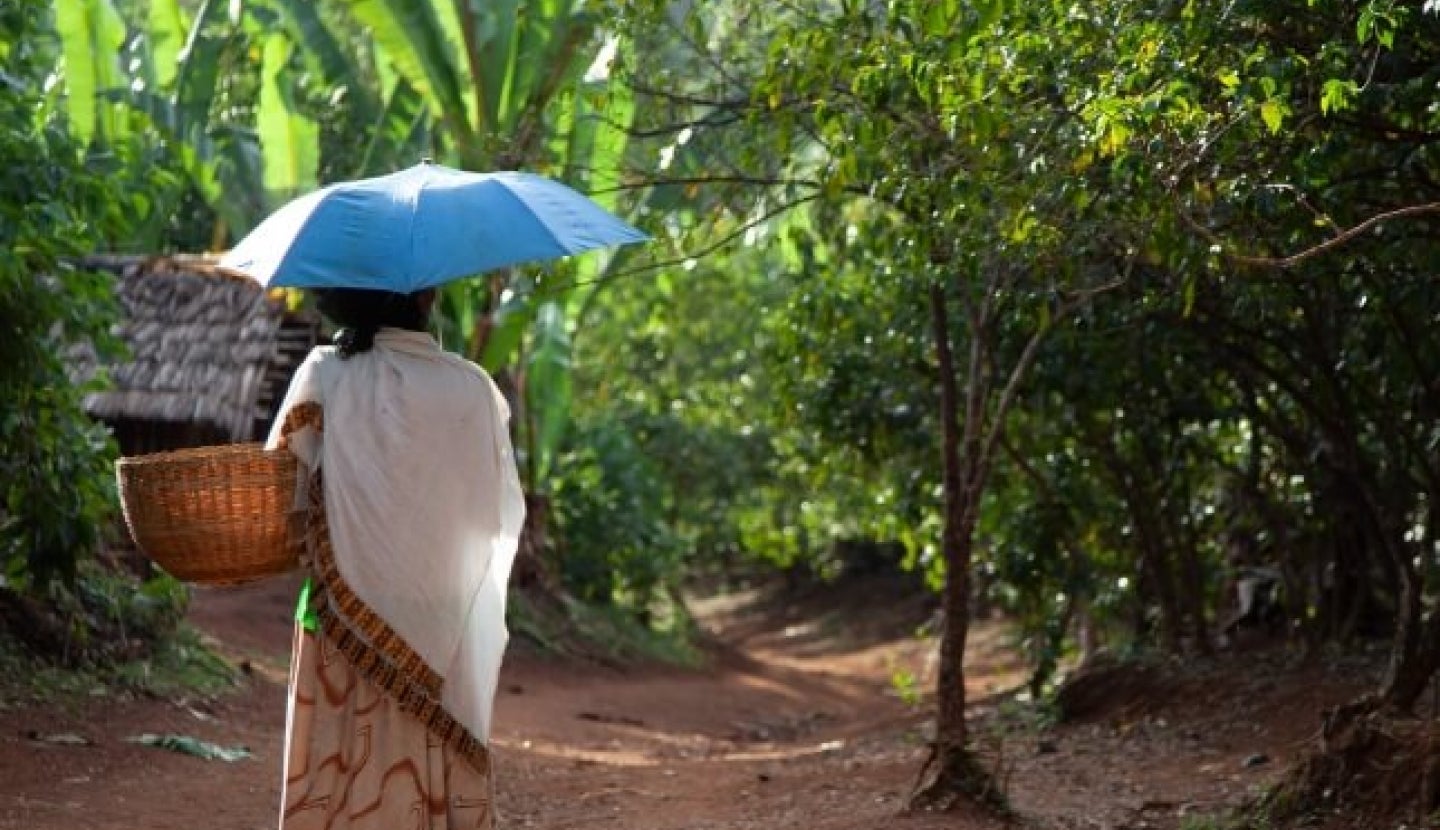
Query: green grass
(1245,820)
(609,634)
(178,665)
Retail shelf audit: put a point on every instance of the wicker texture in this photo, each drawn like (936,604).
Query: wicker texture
(212,515)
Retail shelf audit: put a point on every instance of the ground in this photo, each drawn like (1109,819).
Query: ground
(802,718)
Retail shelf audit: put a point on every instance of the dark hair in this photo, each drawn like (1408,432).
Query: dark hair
(360,312)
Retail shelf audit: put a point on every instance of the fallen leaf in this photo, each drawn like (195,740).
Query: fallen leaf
(192,746)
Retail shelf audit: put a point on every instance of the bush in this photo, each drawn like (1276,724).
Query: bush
(56,205)
(615,546)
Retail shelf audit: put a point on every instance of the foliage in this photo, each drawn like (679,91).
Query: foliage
(1184,255)
(905,686)
(58,204)
(616,546)
(1094,195)
(106,633)
(250,103)
(687,390)
(566,627)
(195,747)
(177,665)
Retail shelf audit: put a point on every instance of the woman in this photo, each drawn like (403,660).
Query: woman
(412,509)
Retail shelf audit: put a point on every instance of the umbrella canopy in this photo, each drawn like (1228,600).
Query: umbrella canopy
(421,227)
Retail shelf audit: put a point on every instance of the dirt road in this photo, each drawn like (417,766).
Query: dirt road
(794,724)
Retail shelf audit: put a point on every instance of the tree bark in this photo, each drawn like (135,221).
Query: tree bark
(1157,566)
(955,771)
(1410,676)
(950,730)
(967,455)
(532,569)
(1193,594)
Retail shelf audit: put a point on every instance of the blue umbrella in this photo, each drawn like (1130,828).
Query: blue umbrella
(421,227)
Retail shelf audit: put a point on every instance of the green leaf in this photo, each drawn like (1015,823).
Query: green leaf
(397,134)
(91,33)
(188,745)
(493,29)
(324,55)
(1336,95)
(548,385)
(197,76)
(600,117)
(1273,112)
(166,32)
(512,320)
(1228,78)
(239,169)
(1366,24)
(289,140)
(526,52)
(411,36)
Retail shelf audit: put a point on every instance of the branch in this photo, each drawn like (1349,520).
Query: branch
(1390,132)
(1027,358)
(713,119)
(763,181)
(706,251)
(714,60)
(1036,477)
(741,103)
(1316,250)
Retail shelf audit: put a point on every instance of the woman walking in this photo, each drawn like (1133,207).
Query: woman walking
(411,509)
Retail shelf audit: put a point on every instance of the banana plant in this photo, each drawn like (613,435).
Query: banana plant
(484,86)
(589,143)
(132,66)
(92,35)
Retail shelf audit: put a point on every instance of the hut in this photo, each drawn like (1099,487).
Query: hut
(210,354)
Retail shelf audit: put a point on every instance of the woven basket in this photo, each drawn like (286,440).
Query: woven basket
(212,515)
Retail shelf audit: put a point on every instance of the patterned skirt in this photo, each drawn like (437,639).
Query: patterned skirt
(354,761)
(368,745)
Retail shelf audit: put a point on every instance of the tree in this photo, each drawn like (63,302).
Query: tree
(1013,162)
(919,111)
(58,204)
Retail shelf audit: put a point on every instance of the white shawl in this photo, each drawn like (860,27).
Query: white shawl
(423,501)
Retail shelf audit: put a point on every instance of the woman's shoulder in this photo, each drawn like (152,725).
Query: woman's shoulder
(321,354)
(467,367)
(480,384)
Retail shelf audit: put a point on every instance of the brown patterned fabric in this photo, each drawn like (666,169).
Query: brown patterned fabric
(335,599)
(356,761)
(308,414)
(369,744)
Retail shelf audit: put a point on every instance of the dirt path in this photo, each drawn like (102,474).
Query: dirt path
(795,724)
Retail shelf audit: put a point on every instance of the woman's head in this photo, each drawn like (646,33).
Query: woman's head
(361,312)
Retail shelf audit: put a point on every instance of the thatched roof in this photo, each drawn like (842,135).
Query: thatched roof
(202,343)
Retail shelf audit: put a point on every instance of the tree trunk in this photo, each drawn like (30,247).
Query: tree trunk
(954,771)
(1156,565)
(532,569)
(1193,594)
(1414,652)
(1409,677)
